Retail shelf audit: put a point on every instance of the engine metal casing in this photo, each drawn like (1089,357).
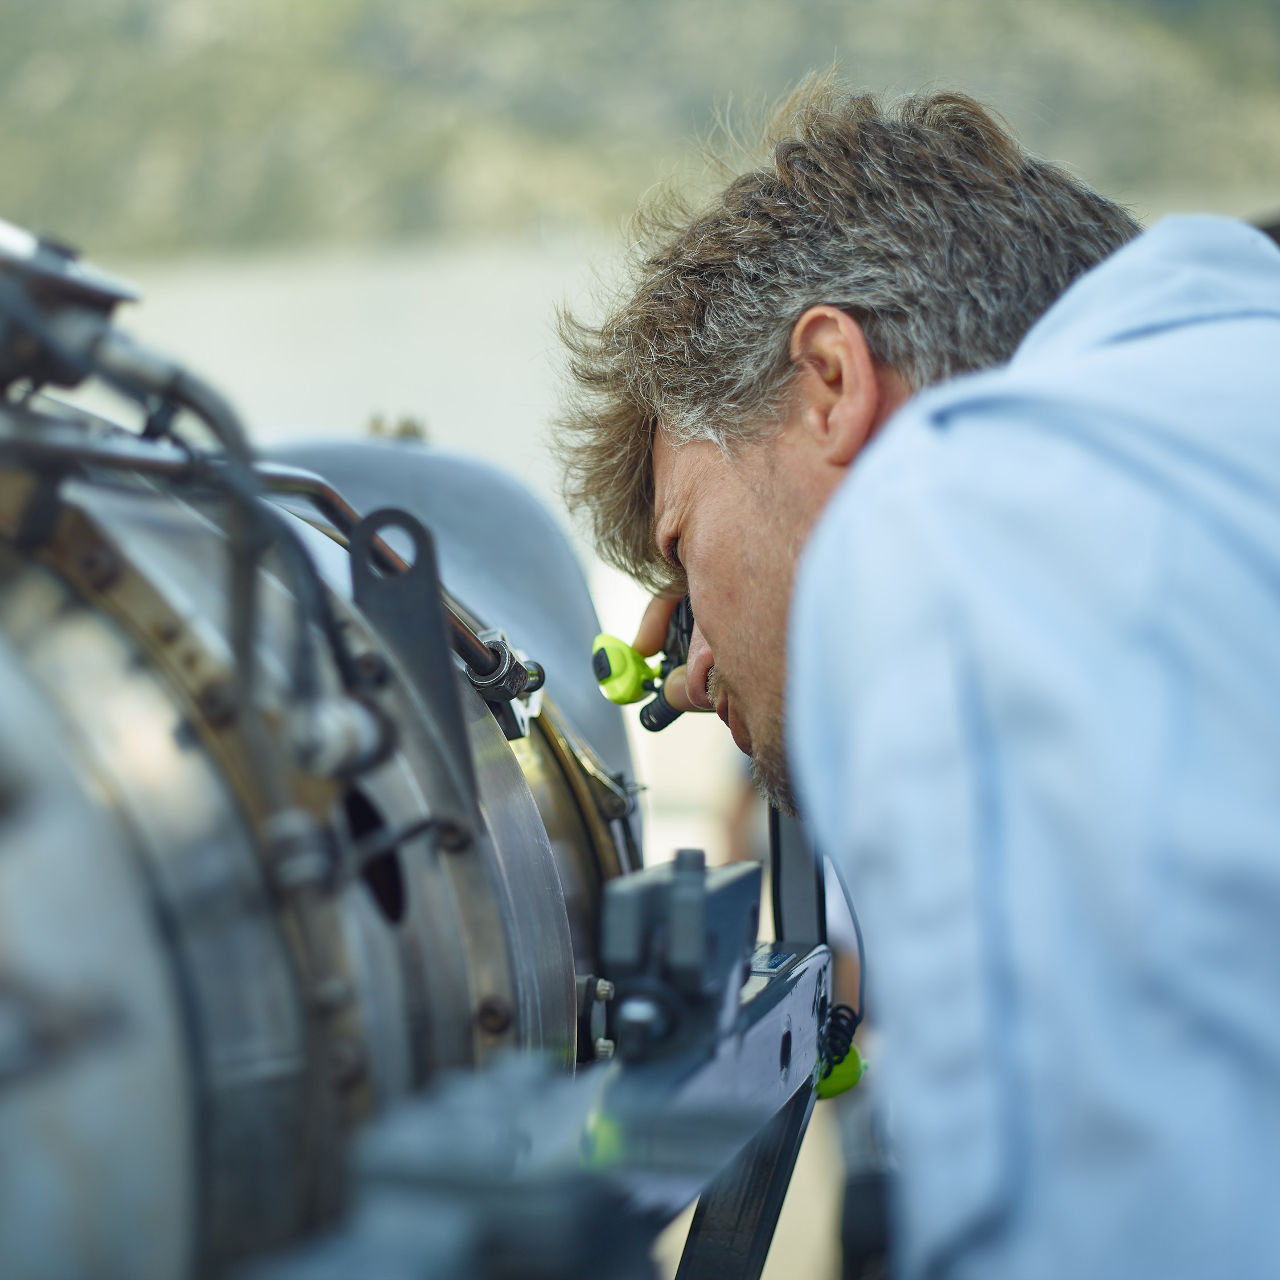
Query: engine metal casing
(197,1027)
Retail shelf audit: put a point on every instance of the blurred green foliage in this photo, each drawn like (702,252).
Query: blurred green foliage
(163,125)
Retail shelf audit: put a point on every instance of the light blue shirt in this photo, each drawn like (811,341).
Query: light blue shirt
(1034,713)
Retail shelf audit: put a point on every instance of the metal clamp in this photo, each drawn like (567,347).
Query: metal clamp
(509,687)
(510,678)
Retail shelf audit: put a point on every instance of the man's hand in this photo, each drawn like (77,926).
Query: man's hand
(649,640)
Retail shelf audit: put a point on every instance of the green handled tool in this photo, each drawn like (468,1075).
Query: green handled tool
(626,676)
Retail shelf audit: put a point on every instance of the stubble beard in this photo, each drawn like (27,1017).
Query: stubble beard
(769,773)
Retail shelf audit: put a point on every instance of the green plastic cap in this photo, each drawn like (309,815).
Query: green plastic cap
(623,675)
(844,1074)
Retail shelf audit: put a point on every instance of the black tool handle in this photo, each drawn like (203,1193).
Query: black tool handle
(659,713)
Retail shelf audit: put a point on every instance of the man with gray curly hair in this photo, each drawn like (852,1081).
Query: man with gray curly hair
(918,243)
(974,492)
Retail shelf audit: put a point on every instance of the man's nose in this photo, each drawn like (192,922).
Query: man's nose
(701,660)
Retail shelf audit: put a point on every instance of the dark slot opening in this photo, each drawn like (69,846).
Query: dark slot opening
(382,874)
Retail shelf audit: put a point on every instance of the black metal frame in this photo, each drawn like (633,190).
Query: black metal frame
(737,1214)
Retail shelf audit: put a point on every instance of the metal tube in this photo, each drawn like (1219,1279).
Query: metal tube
(61,447)
(283,479)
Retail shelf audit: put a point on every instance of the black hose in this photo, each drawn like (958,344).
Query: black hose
(837,1036)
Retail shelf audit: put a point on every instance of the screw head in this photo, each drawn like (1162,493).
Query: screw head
(604,1048)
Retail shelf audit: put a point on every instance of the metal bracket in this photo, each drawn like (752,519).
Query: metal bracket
(406,610)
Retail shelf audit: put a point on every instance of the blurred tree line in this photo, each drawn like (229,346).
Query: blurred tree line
(163,125)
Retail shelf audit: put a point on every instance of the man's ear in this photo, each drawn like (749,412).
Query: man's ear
(844,395)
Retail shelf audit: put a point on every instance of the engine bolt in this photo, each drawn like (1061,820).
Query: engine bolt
(99,566)
(452,835)
(217,703)
(605,990)
(166,630)
(604,1048)
(349,1062)
(332,994)
(373,669)
(493,1015)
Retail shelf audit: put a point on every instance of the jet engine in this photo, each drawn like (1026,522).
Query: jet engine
(286,830)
